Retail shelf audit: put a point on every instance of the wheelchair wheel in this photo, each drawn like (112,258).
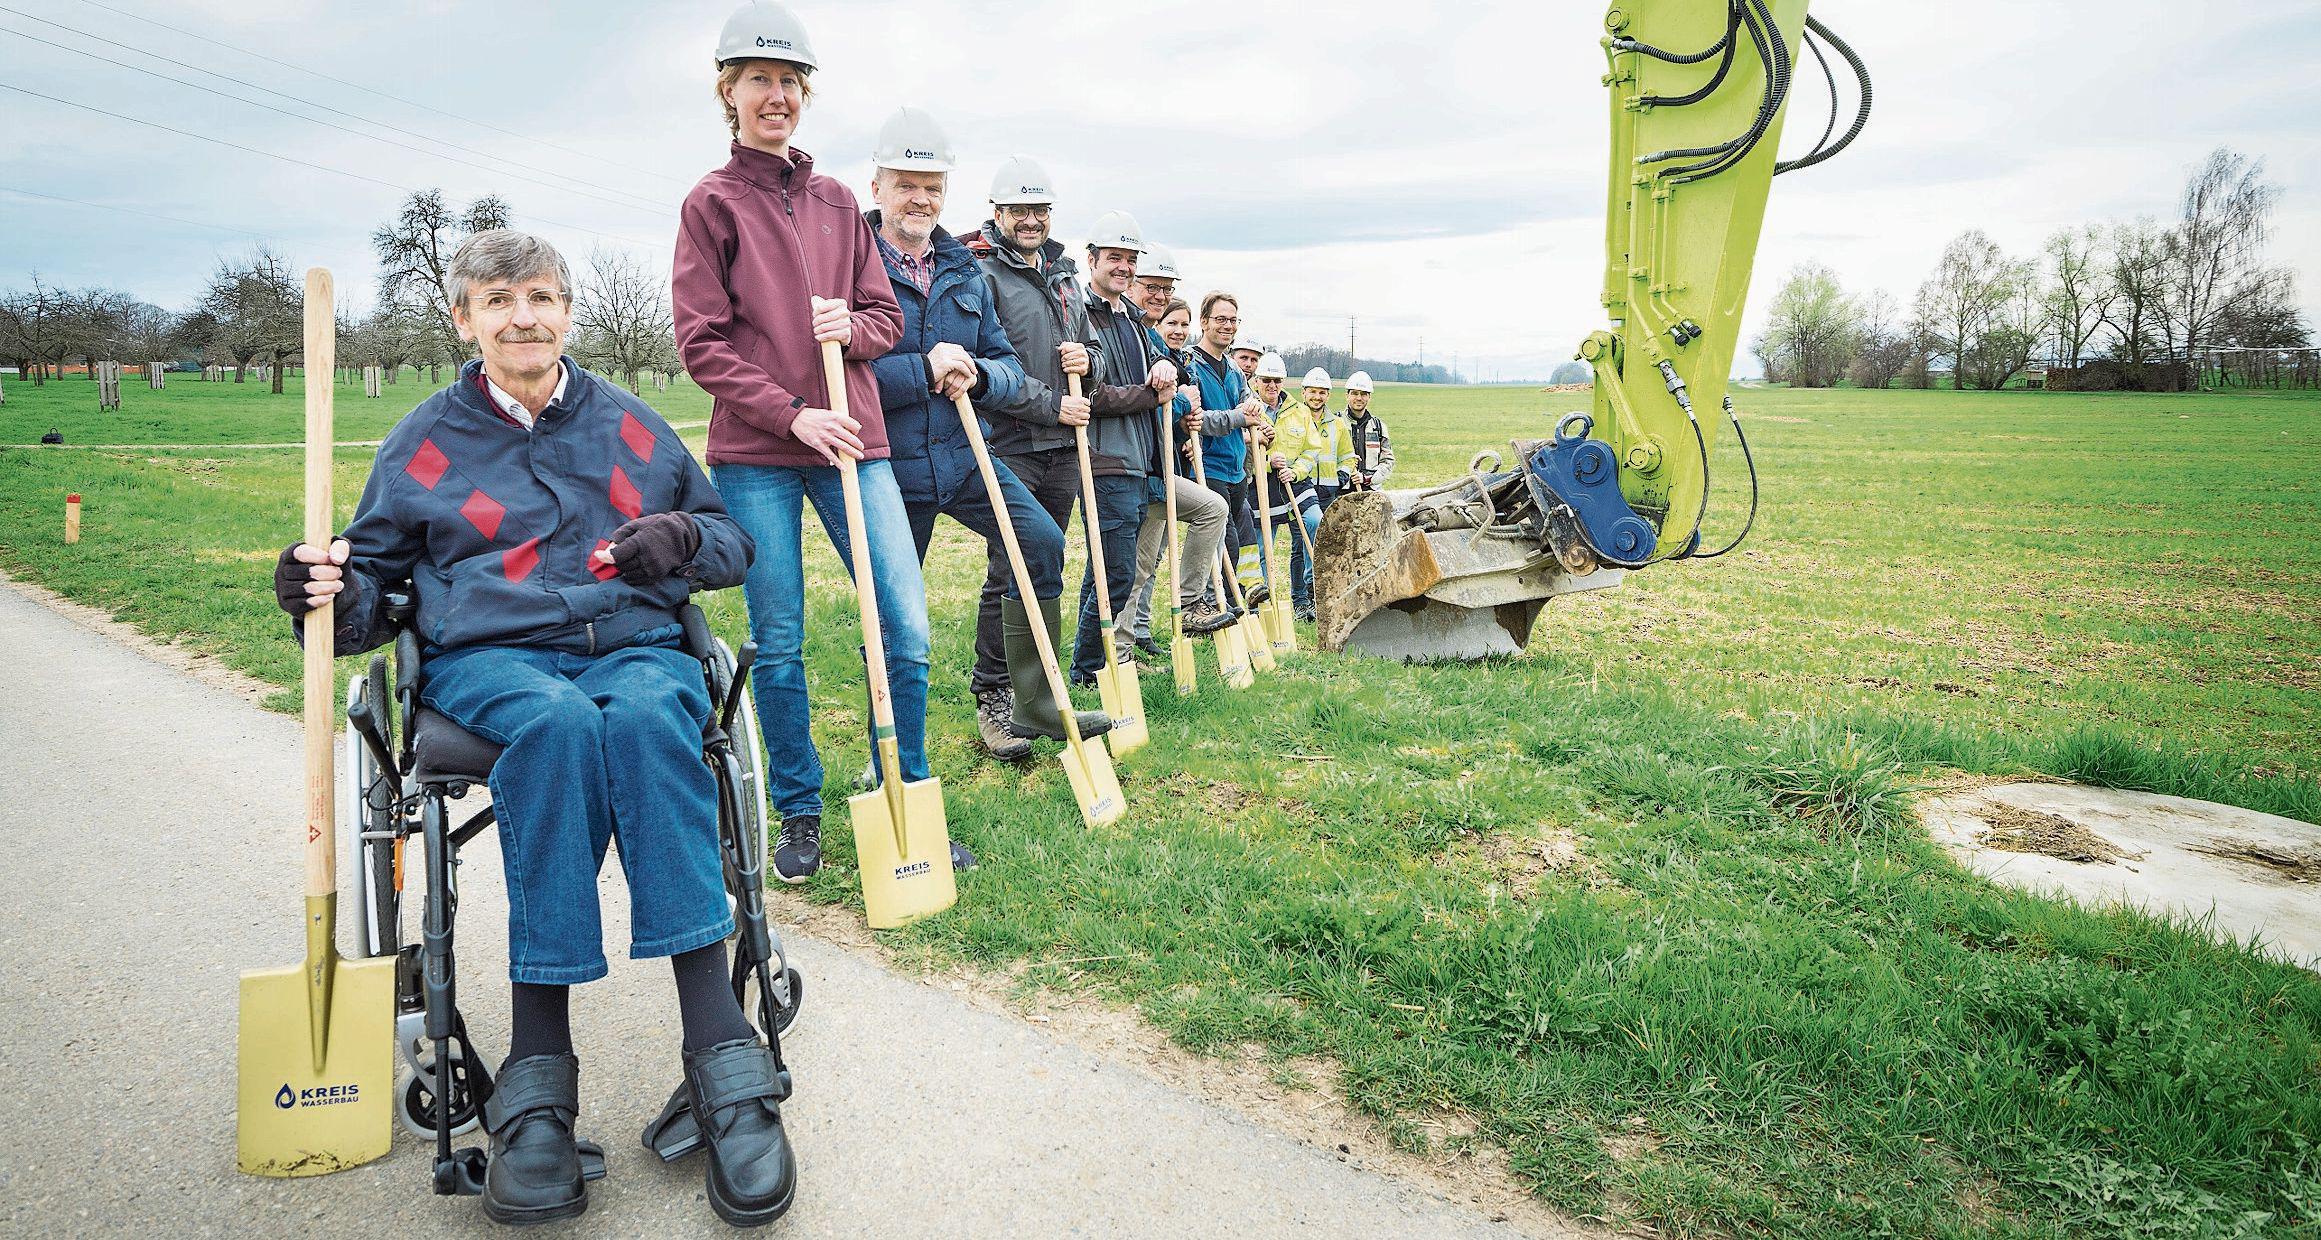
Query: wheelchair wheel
(415,1102)
(368,834)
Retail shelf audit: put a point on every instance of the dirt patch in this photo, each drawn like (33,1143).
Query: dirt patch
(2298,865)
(1298,1097)
(197,664)
(1520,863)
(2048,835)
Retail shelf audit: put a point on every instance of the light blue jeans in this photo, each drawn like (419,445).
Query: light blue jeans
(765,499)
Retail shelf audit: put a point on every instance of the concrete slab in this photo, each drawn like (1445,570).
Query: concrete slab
(2248,874)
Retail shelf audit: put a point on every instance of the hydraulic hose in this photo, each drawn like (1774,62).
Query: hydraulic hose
(1724,66)
(1746,455)
(1773,52)
(1625,44)
(1861,113)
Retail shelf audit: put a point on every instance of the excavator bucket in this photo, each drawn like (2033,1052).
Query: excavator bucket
(1453,572)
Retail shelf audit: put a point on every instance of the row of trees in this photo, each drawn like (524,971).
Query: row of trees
(2135,303)
(252,309)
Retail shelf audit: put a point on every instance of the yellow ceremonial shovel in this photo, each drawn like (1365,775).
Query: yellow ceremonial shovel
(1280,633)
(316,1044)
(1087,764)
(1181,662)
(1232,644)
(902,842)
(1116,683)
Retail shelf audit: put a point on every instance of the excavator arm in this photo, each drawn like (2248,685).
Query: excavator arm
(1697,91)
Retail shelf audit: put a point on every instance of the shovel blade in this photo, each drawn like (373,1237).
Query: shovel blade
(1124,701)
(1184,666)
(1233,657)
(906,872)
(1260,647)
(1281,626)
(293,1118)
(1094,785)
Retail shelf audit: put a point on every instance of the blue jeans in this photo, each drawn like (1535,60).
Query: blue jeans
(765,499)
(1036,534)
(1301,570)
(599,748)
(1119,515)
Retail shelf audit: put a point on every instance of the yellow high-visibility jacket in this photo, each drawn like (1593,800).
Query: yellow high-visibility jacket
(1317,446)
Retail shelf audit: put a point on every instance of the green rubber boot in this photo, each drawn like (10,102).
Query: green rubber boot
(1035,703)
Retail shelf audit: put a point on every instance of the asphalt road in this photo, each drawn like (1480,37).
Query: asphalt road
(148,826)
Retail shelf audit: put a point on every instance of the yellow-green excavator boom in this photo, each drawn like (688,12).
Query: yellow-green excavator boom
(1698,90)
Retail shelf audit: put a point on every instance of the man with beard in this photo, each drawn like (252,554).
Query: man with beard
(1042,308)
(952,345)
(1314,453)
(1373,450)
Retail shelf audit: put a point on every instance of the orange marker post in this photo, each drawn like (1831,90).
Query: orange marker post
(72,517)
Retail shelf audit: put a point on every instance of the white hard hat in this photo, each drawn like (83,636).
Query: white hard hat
(1272,367)
(1021,183)
(1318,377)
(1245,343)
(911,141)
(1157,264)
(1359,381)
(1116,230)
(763,30)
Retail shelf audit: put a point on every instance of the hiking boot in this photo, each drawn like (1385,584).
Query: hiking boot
(1035,712)
(1256,594)
(534,1175)
(993,708)
(1205,618)
(1151,648)
(798,849)
(737,1100)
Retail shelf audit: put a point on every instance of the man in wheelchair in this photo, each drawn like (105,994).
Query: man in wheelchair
(552,528)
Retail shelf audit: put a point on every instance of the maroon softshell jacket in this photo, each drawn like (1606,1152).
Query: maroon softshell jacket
(755,240)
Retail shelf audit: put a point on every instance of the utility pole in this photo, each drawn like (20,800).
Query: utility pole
(1350,362)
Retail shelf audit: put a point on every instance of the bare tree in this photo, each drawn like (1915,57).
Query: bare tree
(93,319)
(1884,344)
(36,327)
(2139,284)
(2080,290)
(2215,253)
(1963,301)
(1812,326)
(415,251)
(620,317)
(258,302)
(2014,334)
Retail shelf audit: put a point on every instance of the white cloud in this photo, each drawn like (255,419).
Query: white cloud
(1432,171)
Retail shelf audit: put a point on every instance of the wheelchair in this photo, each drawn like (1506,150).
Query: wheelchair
(405,765)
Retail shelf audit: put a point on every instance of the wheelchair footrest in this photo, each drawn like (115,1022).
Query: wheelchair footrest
(462,1174)
(591,1160)
(673,1134)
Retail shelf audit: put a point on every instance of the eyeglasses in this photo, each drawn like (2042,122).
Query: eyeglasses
(1025,213)
(501,301)
(1229,322)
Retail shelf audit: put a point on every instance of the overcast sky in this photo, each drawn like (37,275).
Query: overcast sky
(1431,171)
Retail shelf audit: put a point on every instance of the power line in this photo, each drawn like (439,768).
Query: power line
(658,210)
(134,120)
(106,206)
(409,103)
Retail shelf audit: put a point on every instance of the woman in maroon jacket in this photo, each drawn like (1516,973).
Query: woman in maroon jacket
(772,260)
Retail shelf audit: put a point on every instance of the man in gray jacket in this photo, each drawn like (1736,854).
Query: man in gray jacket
(1036,289)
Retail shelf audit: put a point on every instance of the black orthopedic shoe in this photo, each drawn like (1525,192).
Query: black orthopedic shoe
(535,1173)
(737,1100)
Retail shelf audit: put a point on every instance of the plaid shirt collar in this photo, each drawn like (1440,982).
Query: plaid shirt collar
(919,271)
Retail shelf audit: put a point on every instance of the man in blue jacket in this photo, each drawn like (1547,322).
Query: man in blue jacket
(551,525)
(953,344)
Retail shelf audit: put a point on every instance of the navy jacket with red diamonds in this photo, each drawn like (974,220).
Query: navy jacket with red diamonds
(497,527)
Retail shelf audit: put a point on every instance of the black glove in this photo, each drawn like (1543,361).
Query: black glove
(654,546)
(290,577)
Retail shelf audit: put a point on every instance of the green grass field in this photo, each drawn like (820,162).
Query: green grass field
(1645,907)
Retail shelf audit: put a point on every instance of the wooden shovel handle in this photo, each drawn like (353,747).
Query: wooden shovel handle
(1023,576)
(1090,522)
(882,707)
(321,624)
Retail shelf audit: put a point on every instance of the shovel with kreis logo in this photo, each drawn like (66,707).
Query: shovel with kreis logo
(316,1047)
